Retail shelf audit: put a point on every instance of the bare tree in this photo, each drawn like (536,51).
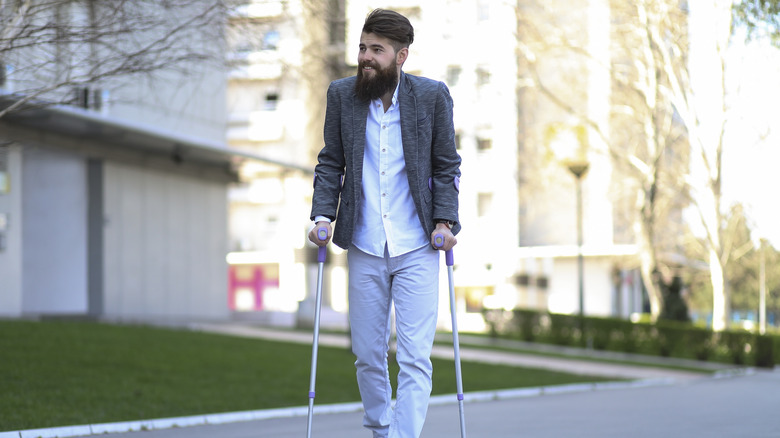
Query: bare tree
(662,100)
(324,58)
(649,142)
(49,48)
(644,136)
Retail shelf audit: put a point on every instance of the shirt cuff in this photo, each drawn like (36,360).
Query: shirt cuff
(321,219)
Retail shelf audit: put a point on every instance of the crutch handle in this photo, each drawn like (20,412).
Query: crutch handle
(322,252)
(438,242)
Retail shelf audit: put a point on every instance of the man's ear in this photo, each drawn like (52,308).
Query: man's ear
(401,56)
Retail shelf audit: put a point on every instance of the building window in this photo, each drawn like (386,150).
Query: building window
(483,10)
(484,204)
(522,279)
(453,74)
(483,76)
(89,98)
(484,144)
(271,40)
(271,102)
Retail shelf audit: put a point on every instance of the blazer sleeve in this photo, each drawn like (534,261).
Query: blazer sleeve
(330,161)
(445,161)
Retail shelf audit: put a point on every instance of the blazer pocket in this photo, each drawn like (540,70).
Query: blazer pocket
(427,197)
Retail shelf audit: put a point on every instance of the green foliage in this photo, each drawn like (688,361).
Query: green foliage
(765,351)
(760,18)
(528,324)
(664,338)
(742,270)
(674,306)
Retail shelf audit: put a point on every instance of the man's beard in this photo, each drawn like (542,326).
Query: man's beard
(384,80)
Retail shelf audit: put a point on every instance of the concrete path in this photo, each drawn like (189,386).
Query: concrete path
(737,407)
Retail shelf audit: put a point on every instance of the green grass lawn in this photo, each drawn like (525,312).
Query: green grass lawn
(58,373)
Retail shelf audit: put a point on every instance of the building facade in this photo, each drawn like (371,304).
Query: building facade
(114,206)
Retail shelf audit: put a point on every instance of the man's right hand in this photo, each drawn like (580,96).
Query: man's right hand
(315,238)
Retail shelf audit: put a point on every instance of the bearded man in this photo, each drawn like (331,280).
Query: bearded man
(390,137)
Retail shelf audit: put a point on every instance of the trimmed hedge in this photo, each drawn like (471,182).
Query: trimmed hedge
(664,338)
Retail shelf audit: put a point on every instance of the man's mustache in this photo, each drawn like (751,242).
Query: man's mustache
(365,64)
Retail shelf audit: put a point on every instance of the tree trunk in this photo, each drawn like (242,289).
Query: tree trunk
(648,265)
(719,296)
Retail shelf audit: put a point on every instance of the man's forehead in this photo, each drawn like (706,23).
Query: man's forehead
(372,39)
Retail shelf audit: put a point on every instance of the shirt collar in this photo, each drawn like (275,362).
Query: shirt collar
(395,96)
(395,93)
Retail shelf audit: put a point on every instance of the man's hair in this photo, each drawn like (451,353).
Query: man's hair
(390,25)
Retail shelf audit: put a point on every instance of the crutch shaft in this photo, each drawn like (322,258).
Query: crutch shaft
(322,252)
(456,345)
(438,242)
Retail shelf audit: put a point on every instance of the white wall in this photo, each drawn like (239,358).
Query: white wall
(54,214)
(165,245)
(11,257)
(598,290)
(192,104)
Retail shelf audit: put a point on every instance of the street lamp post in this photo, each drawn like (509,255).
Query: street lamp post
(762,291)
(569,144)
(578,169)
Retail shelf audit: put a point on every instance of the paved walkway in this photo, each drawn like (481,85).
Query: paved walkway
(661,402)
(737,407)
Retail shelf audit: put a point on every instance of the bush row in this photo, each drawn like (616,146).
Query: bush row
(663,338)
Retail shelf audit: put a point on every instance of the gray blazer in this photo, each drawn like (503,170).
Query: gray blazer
(428,136)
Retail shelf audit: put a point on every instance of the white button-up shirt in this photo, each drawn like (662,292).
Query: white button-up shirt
(387,213)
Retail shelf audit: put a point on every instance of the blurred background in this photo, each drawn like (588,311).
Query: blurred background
(156,158)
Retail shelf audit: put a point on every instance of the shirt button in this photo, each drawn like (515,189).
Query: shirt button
(384,194)
(384,126)
(383,149)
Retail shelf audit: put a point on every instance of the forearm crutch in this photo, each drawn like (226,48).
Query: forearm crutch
(322,234)
(438,241)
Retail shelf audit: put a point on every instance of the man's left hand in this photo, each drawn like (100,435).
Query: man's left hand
(449,238)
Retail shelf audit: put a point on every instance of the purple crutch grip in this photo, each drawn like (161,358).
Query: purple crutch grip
(322,234)
(438,242)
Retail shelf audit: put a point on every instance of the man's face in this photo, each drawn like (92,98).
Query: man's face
(378,65)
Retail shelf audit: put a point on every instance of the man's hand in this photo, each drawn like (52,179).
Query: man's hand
(449,238)
(315,238)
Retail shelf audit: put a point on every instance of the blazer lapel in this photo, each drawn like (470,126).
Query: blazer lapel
(359,116)
(408,106)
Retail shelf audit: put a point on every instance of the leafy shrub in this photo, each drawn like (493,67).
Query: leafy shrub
(664,338)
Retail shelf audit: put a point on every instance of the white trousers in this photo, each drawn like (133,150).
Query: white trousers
(410,282)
